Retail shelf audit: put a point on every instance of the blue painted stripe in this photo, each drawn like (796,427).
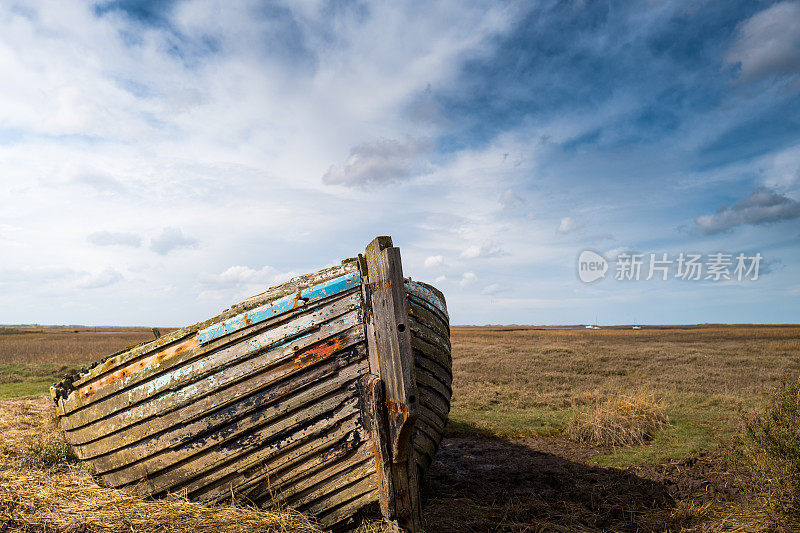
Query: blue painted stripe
(281,305)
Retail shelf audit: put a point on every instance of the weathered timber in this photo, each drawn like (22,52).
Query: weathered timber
(389,341)
(430,333)
(375,418)
(325,394)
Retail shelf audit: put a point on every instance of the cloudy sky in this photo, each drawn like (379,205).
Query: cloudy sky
(163,159)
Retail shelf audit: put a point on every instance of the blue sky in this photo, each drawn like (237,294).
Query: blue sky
(164,159)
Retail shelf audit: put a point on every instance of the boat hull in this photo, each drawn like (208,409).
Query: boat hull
(287,398)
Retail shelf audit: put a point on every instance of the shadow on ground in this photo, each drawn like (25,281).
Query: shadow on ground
(486,484)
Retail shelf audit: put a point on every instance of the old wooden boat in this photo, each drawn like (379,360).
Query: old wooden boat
(326,394)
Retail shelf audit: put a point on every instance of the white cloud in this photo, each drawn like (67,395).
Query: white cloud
(100,182)
(110,238)
(98,280)
(568,225)
(612,254)
(238,282)
(382,162)
(133,128)
(784,173)
(768,43)
(467,279)
(434,261)
(36,275)
(171,239)
(441,279)
(762,206)
(510,199)
(488,249)
(493,288)
(239,275)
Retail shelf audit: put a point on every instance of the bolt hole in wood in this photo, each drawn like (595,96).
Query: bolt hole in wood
(412,399)
(401,327)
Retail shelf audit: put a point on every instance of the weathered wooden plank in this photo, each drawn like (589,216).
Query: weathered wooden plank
(281,305)
(342,489)
(239,434)
(415,303)
(247,445)
(374,416)
(425,443)
(332,475)
(157,365)
(346,510)
(295,284)
(424,427)
(428,335)
(166,391)
(271,466)
(256,392)
(434,401)
(424,349)
(429,294)
(426,318)
(291,286)
(432,418)
(391,339)
(429,380)
(435,369)
(197,473)
(282,480)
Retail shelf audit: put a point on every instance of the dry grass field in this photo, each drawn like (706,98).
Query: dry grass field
(33,358)
(551,430)
(43,490)
(522,389)
(526,382)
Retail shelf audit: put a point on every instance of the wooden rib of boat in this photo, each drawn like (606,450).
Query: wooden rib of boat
(325,394)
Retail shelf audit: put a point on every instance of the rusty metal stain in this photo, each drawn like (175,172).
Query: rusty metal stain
(397,407)
(381,284)
(152,359)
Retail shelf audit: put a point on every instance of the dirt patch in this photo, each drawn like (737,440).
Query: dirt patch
(545,484)
(703,478)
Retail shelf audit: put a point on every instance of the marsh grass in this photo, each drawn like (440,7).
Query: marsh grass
(33,358)
(48,453)
(515,382)
(621,420)
(67,345)
(42,489)
(769,452)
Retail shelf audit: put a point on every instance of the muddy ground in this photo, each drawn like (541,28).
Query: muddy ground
(545,484)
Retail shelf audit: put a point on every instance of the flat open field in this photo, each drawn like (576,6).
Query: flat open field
(507,463)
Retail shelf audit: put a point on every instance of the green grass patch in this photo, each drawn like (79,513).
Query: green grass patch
(683,438)
(18,379)
(539,422)
(696,425)
(26,388)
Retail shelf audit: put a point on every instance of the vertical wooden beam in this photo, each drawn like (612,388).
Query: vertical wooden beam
(391,358)
(374,413)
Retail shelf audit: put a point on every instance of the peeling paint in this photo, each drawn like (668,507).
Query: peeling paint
(124,373)
(281,305)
